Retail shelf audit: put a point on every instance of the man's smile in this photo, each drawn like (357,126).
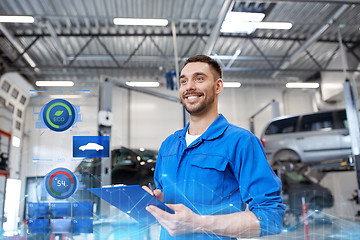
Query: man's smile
(192,97)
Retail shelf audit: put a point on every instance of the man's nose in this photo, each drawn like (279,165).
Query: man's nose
(190,85)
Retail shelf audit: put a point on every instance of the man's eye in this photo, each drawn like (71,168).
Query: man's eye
(183,81)
(199,78)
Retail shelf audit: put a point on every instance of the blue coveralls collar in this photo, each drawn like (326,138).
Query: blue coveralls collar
(216,129)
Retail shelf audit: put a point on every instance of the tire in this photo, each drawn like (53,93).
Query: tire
(317,203)
(290,220)
(287,156)
(286,160)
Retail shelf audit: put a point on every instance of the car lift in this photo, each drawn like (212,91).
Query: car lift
(353,163)
(354,127)
(352,114)
(275,113)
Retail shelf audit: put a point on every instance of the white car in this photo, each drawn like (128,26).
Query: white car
(91,146)
(308,138)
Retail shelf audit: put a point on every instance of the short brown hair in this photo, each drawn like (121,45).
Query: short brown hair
(205,59)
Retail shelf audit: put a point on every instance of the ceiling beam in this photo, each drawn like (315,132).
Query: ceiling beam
(25,50)
(314,1)
(238,36)
(233,69)
(167,58)
(319,32)
(216,30)
(315,36)
(110,18)
(56,43)
(17,45)
(119,83)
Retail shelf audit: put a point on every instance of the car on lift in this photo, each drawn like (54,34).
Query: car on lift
(128,166)
(296,186)
(308,139)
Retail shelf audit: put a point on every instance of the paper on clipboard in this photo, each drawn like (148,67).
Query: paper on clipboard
(132,200)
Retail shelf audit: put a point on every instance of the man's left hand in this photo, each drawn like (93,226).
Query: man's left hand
(183,221)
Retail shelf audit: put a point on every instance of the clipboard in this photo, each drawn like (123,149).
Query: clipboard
(132,200)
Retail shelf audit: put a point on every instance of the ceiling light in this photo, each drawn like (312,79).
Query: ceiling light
(17,19)
(141,21)
(65,96)
(245,22)
(54,83)
(143,84)
(302,85)
(231,84)
(232,19)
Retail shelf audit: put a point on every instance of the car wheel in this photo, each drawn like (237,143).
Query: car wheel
(286,160)
(317,203)
(290,219)
(287,156)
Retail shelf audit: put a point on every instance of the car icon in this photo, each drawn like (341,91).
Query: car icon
(91,146)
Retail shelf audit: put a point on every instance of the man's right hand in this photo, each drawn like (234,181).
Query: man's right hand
(157,193)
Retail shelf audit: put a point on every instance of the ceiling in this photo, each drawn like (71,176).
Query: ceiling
(77,40)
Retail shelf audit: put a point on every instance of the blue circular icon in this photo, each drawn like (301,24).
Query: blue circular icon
(58,115)
(61,183)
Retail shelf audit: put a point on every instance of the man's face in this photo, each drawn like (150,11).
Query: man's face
(199,87)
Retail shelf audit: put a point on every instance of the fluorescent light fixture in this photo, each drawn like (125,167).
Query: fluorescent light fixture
(143,84)
(15,141)
(17,19)
(232,84)
(65,96)
(302,85)
(232,20)
(244,22)
(141,21)
(54,83)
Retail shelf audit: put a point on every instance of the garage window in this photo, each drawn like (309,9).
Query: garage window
(2,101)
(11,107)
(22,100)
(15,93)
(6,86)
(19,113)
(17,125)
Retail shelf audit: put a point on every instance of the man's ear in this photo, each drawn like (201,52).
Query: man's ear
(219,85)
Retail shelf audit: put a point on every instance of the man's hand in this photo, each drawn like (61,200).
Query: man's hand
(157,193)
(183,221)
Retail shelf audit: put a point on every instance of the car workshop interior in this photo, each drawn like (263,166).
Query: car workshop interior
(89,90)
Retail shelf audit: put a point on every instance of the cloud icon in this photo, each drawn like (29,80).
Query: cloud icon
(91,146)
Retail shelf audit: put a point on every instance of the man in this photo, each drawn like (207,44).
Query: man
(211,170)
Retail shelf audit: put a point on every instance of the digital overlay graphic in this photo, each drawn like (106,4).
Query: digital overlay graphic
(60,217)
(91,146)
(61,183)
(58,115)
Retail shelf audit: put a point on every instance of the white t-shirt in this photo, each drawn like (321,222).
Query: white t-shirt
(190,138)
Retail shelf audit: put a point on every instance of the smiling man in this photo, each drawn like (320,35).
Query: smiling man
(211,170)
